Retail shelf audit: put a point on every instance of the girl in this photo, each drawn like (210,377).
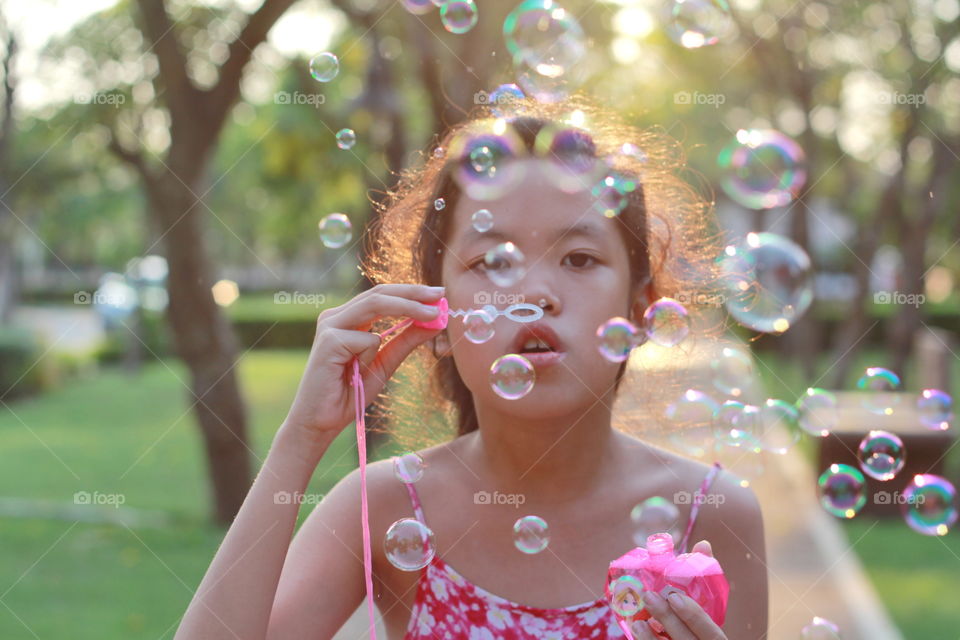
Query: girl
(590,255)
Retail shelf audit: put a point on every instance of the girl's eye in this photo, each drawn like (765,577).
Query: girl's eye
(577,259)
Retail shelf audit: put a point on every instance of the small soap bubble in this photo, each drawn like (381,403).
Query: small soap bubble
(666,322)
(438,152)
(408,467)
(882,386)
(654,515)
(626,595)
(930,504)
(842,490)
(505,264)
(691,419)
(409,544)
(736,424)
(478,326)
(732,371)
(324,67)
(820,629)
(818,414)
(530,534)
(439,204)
(512,376)
(762,168)
(616,338)
(935,409)
(335,230)
(881,454)
(458,16)
(610,196)
(482,220)
(482,159)
(346,138)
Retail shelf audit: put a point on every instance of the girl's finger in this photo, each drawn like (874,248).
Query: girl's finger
(389,357)
(694,617)
(412,301)
(664,614)
(641,631)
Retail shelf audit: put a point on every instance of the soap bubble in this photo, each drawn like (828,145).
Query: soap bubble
(408,467)
(458,16)
(935,408)
(820,629)
(881,454)
(512,376)
(482,220)
(617,337)
(544,88)
(611,195)
(654,515)
(346,138)
(736,424)
(762,168)
(626,595)
(418,7)
(530,534)
(544,37)
(881,386)
(505,264)
(691,419)
(409,544)
(439,204)
(478,325)
(768,282)
(335,230)
(817,410)
(505,95)
(929,505)
(699,23)
(732,371)
(666,322)
(780,430)
(571,153)
(842,490)
(324,67)
(485,157)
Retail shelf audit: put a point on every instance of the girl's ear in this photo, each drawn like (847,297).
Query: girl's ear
(644,295)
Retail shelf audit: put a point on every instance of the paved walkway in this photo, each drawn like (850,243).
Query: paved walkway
(813,568)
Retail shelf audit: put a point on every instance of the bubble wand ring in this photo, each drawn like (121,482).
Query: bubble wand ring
(512,312)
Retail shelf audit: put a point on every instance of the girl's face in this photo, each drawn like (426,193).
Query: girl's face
(575,261)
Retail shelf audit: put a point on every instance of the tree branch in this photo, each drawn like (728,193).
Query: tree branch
(159,29)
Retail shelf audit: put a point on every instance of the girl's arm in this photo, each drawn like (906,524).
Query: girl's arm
(236,595)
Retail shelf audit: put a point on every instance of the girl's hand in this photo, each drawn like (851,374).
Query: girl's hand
(678,615)
(324,403)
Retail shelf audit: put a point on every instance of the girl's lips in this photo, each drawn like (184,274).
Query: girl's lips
(541,359)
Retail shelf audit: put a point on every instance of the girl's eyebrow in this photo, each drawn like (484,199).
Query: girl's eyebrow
(584,229)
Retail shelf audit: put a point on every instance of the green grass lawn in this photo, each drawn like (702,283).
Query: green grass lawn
(114,433)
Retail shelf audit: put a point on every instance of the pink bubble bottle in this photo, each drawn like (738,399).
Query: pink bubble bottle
(661,570)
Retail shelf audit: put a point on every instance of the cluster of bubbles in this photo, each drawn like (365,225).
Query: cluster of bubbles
(762,168)
(665,322)
(767,280)
(335,230)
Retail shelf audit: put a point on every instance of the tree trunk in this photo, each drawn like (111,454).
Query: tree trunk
(204,340)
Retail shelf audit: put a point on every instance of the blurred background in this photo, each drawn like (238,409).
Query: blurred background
(164,166)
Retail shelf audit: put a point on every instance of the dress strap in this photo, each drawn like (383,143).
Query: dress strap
(698,499)
(415,501)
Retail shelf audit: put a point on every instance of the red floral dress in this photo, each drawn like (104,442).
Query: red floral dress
(448,607)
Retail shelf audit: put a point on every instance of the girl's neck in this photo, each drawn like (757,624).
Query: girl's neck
(555,460)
